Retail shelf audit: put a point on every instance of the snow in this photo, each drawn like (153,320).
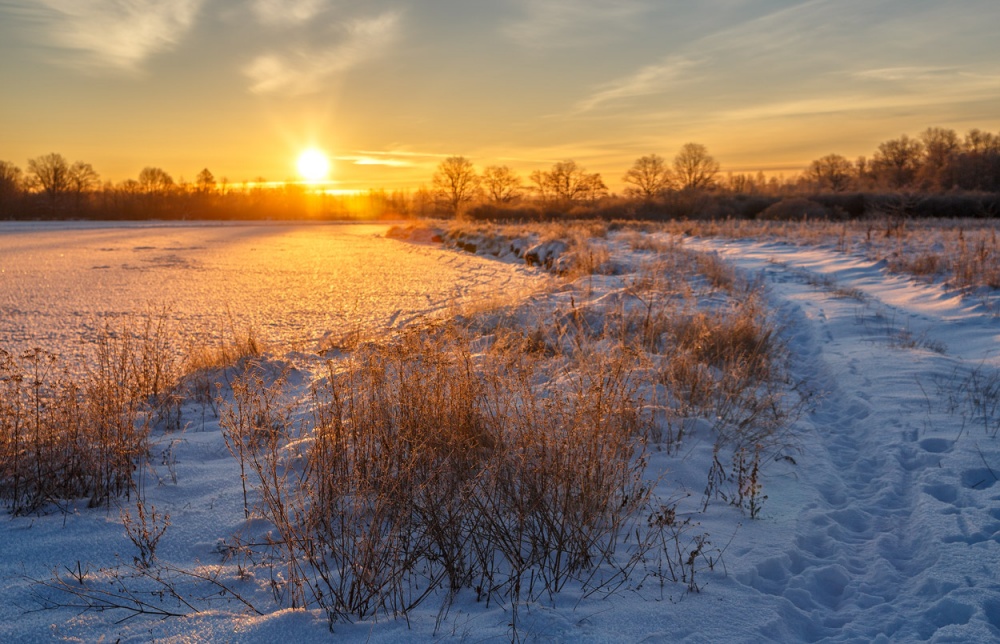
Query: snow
(882,525)
(296,285)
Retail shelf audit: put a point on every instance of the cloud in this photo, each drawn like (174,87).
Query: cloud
(305,69)
(287,12)
(117,34)
(961,89)
(392,158)
(561,23)
(909,74)
(373,160)
(769,36)
(648,80)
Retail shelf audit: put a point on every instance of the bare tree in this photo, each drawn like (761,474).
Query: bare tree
(567,183)
(896,162)
(501,184)
(82,180)
(155,181)
(694,168)
(833,172)
(940,147)
(979,161)
(205,181)
(52,173)
(456,183)
(648,177)
(11,184)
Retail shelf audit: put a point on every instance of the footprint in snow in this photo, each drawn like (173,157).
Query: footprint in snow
(936,445)
(979,479)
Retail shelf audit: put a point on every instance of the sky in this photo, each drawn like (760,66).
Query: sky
(390,88)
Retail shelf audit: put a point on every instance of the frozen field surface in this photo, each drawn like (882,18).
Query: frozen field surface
(295,284)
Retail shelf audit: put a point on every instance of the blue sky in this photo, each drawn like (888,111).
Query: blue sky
(389,88)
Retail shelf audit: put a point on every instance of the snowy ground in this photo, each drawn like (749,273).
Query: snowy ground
(295,284)
(885,528)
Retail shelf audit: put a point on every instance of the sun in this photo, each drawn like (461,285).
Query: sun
(313,165)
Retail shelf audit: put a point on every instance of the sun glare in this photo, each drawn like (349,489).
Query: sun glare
(313,165)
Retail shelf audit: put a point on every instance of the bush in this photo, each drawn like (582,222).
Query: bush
(794,209)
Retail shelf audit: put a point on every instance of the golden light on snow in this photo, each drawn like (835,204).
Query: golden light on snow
(313,165)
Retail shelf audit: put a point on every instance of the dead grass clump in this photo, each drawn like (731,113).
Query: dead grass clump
(585,257)
(720,274)
(234,346)
(645,242)
(727,340)
(925,264)
(69,436)
(429,467)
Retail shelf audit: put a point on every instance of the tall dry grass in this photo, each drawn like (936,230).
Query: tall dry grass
(431,468)
(84,433)
(67,436)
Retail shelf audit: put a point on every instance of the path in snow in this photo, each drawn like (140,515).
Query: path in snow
(901,539)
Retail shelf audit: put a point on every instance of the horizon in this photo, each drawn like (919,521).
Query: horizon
(388,91)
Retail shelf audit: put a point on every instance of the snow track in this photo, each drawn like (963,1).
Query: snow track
(901,538)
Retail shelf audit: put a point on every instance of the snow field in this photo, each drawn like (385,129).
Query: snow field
(880,522)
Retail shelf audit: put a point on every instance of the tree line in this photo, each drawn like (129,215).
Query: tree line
(939,166)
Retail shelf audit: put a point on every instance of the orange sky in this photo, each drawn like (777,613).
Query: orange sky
(388,89)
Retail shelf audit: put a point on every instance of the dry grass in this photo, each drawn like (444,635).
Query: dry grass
(66,436)
(511,468)
(84,434)
(477,455)
(430,467)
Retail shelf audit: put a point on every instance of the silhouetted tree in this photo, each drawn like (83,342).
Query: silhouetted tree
(647,178)
(940,148)
(155,181)
(205,181)
(82,180)
(832,172)
(502,185)
(978,164)
(11,182)
(52,173)
(694,168)
(568,183)
(896,162)
(456,183)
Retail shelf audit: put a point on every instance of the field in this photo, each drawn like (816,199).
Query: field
(673,433)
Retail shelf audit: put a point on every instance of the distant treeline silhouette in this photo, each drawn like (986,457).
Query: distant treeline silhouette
(936,174)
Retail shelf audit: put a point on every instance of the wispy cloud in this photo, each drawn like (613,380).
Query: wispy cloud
(559,23)
(287,12)
(770,35)
(305,69)
(117,34)
(648,80)
(960,89)
(392,158)
(372,160)
(907,74)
